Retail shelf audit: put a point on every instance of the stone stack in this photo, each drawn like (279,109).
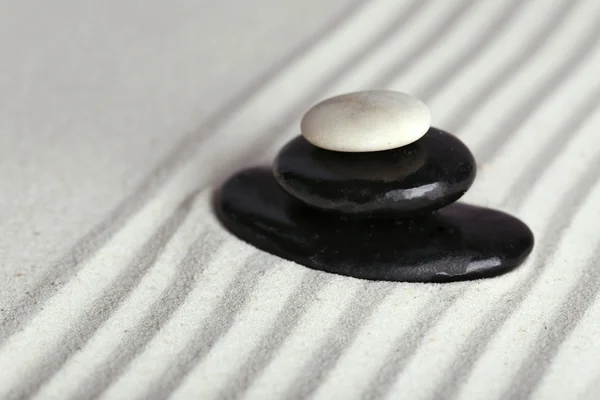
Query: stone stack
(369,190)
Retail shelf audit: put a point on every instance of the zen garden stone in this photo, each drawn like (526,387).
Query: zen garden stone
(369,191)
(366,121)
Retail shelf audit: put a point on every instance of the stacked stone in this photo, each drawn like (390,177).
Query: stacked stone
(369,190)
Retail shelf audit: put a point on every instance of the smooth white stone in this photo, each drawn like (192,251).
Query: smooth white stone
(366,121)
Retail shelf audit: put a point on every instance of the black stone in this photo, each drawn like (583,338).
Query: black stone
(458,242)
(426,175)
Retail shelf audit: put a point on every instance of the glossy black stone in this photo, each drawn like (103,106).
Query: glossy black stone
(458,242)
(416,179)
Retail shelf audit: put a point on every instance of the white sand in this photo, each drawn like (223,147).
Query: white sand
(119,118)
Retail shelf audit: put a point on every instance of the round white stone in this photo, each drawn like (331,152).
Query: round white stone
(366,121)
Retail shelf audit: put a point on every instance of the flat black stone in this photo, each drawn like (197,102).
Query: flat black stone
(426,175)
(458,242)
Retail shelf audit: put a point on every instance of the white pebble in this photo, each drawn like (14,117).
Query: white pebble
(366,121)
